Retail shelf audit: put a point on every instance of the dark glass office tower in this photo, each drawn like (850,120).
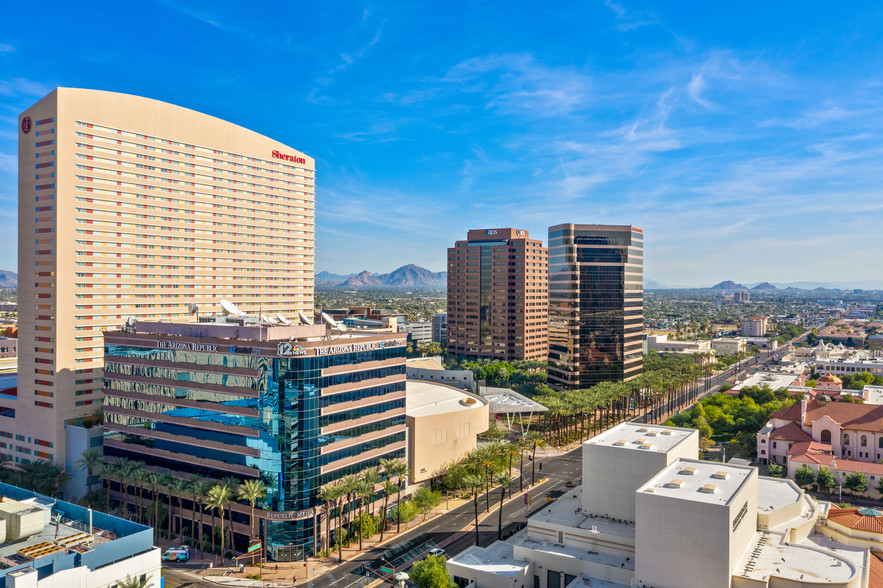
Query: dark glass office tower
(596,304)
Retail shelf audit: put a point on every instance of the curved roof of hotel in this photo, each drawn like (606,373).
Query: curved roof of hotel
(655,438)
(429,398)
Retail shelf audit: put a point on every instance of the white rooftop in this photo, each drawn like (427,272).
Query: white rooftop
(775,494)
(709,482)
(655,438)
(429,398)
(497,559)
(773,380)
(769,555)
(873,394)
(567,511)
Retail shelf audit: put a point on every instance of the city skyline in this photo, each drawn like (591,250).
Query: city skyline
(743,140)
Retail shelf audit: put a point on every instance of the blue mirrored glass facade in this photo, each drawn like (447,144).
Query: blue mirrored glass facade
(297,422)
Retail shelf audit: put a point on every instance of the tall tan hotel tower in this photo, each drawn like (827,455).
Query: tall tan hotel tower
(498,295)
(134,207)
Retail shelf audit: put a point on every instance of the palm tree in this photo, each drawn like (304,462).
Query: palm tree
(474,481)
(349,484)
(89,460)
(232,484)
(329,494)
(198,490)
(154,483)
(522,447)
(503,480)
(486,458)
(251,491)
(137,582)
(388,488)
(536,440)
(371,476)
(512,450)
(167,479)
(106,471)
(139,479)
(178,488)
(124,469)
(363,490)
(219,498)
(399,469)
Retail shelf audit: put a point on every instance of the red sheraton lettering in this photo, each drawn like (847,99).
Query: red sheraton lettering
(291,158)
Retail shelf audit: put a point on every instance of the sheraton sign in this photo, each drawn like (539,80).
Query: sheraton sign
(291,158)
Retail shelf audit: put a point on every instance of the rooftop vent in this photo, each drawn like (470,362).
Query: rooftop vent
(676,483)
(665,433)
(709,489)
(652,433)
(639,441)
(688,471)
(643,430)
(645,445)
(621,442)
(720,475)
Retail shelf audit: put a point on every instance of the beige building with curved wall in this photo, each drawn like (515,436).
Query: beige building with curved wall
(134,207)
(443,423)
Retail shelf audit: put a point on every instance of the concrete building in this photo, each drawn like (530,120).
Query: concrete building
(755,326)
(430,369)
(46,543)
(696,524)
(850,362)
(596,303)
(728,347)
(443,425)
(131,206)
(418,333)
(741,297)
(440,329)
(296,406)
(498,296)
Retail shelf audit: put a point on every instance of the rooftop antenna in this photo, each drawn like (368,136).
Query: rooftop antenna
(193,308)
(263,318)
(282,319)
(230,308)
(304,318)
(130,324)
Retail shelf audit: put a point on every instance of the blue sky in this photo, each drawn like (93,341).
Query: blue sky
(745,138)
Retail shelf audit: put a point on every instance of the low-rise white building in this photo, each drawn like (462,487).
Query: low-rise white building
(728,347)
(696,524)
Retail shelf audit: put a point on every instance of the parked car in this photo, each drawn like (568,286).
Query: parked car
(437,551)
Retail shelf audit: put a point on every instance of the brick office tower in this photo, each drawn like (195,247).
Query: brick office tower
(498,296)
(596,304)
(134,207)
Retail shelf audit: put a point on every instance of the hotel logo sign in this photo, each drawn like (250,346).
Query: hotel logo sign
(26,125)
(291,158)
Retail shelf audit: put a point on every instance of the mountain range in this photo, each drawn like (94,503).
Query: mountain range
(407,276)
(8,279)
(729,285)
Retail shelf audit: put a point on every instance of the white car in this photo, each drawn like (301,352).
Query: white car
(437,551)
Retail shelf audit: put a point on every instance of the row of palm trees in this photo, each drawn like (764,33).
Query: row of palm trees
(579,414)
(216,496)
(341,495)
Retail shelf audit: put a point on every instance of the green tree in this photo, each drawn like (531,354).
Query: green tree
(388,488)
(251,491)
(825,479)
(880,486)
(804,476)
(219,498)
(426,500)
(857,482)
(475,482)
(774,470)
(504,480)
(431,572)
(89,461)
(199,489)
(178,488)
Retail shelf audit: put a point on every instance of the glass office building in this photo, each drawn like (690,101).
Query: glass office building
(285,404)
(596,304)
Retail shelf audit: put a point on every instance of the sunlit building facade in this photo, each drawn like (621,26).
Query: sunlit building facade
(596,304)
(134,207)
(284,404)
(498,296)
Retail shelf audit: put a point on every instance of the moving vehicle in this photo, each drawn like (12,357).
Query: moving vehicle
(180,554)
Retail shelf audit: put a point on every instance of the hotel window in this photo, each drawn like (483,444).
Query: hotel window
(864,441)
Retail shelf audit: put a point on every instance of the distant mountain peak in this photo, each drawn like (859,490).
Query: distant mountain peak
(765,286)
(728,285)
(407,276)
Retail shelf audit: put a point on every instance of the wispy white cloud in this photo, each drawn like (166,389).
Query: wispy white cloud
(22,87)
(6,48)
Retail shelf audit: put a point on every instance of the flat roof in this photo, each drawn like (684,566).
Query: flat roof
(774,380)
(506,401)
(654,438)
(567,511)
(769,555)
(428,398)
(587,555)
(776,493)
(708,482)
(498,559)
(426,363)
